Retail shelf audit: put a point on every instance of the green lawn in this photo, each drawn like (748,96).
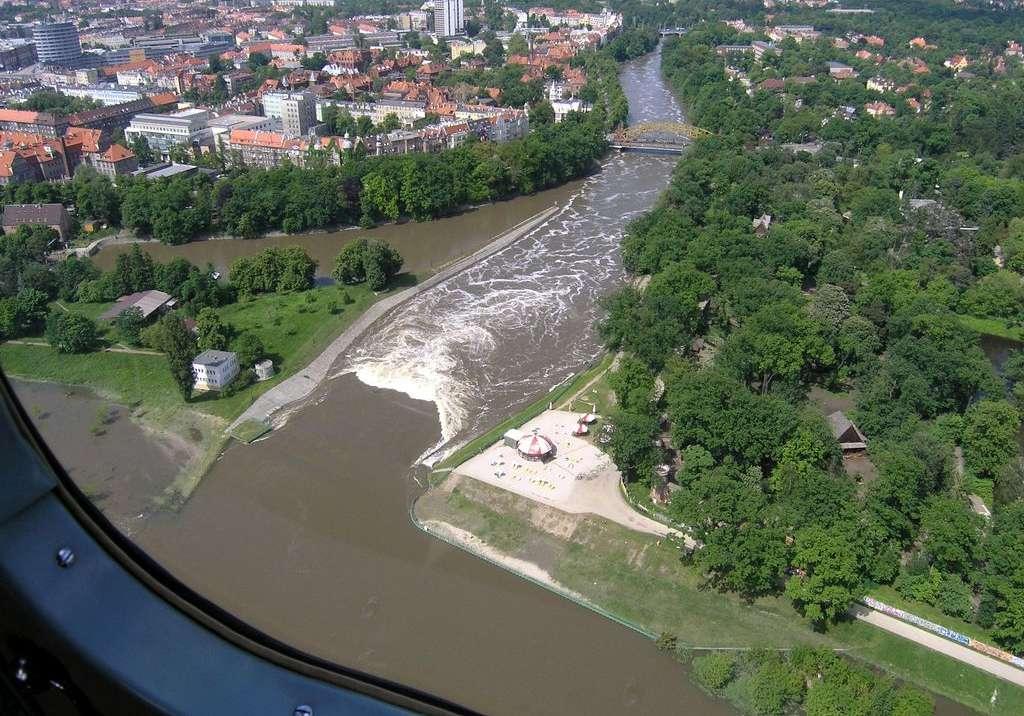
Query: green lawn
(937,673)
(294,328)
(643,581)
(598,397)
(133,379)
(992,326)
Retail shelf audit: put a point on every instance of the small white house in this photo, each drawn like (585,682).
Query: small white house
(214,369)
(264,370)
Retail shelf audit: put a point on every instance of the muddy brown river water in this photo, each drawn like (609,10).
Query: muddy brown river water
(306,534)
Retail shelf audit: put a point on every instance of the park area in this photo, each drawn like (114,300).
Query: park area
(577,477)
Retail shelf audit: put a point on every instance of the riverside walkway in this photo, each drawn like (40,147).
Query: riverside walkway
(935,642)
(267,409)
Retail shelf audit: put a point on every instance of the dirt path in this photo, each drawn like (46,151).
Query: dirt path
(936,643)
(110,349)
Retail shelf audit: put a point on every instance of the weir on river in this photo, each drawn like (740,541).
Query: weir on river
(307,534)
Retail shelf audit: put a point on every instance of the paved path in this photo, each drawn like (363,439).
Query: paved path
(990,664)
(292,390)
(109,349)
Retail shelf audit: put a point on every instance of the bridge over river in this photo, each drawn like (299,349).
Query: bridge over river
(656,137)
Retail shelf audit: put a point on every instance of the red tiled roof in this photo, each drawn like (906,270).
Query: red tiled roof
(18,115)
(116,153)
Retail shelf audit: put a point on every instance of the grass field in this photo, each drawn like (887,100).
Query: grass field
(890,596)
(294,328)
(644,582)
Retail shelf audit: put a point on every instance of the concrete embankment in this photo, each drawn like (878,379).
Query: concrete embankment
(290,393)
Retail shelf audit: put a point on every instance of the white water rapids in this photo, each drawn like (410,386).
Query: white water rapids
(491,339)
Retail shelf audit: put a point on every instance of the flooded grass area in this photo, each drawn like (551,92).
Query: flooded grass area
(114,455)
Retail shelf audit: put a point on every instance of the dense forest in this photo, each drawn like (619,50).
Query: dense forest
(848,297)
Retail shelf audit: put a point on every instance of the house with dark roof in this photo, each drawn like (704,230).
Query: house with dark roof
(848,435)
(148,303)
(54,216)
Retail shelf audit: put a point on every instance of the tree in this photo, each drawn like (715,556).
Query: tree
(776,344)
(715,670)
(316,61)
(542,113)
(631,446)
(70,273)
(140,147)
(743,550)
(827,578)
(129,325)
(774,687)
(517,45)
(348,264)
(274,269)
(172,337)
(830,307)
(379,197)
(950,534)
(71,332)
(999,295)
(494,52)
(258,60)
(211,333)
(372,261)
(382,263)
(990,437)
(31,307)
(250,349)
(633,384)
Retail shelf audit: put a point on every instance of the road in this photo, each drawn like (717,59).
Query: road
(935,642)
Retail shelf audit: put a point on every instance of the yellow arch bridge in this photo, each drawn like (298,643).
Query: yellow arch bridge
(670,137)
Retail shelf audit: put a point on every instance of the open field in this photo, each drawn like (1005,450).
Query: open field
(642,581)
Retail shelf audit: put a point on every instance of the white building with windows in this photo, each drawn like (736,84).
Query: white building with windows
(214,369)
(162,131)
(296,110)
(449,18)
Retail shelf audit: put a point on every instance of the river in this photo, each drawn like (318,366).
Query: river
(307,534)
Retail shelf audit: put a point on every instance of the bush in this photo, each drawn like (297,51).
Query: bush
(715,670)
(667,642)
(774,687)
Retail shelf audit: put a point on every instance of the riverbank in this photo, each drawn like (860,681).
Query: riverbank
(640,581)
(274,406)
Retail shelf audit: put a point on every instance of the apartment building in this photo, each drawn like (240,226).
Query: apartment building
(163,131)
(296,110)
